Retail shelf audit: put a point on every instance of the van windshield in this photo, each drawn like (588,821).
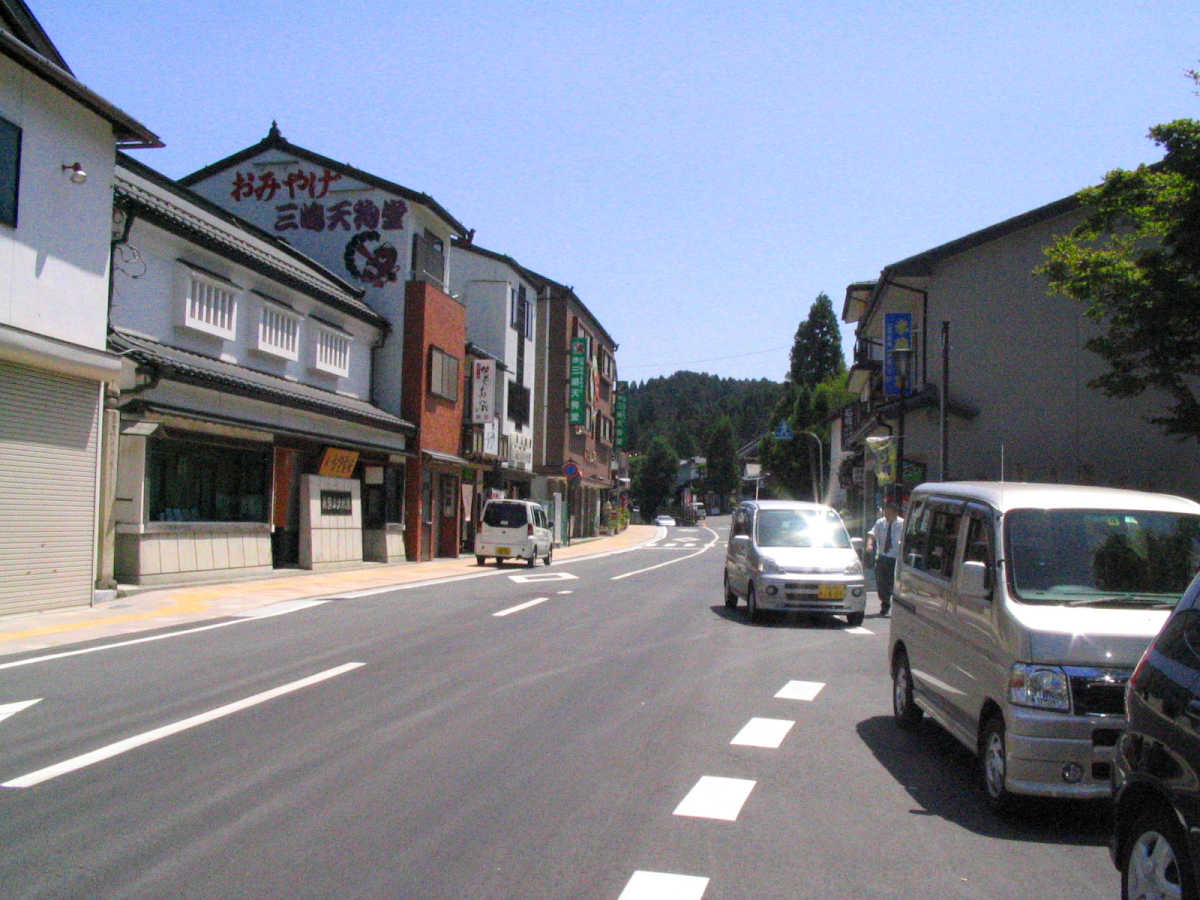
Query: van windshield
(801,528)
(505,515)
(1087,557)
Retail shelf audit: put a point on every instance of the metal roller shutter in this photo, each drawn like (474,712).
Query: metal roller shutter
(48,439)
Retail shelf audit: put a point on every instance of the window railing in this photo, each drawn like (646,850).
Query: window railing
(332,352)
(279,332)
(211,307)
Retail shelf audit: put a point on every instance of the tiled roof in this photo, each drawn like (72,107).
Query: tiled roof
(185,366)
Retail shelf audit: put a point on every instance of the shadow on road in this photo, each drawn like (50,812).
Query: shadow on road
(939,775)
(774,619)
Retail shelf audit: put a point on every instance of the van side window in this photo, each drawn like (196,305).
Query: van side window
(741,522)
(943,542)
(979,543)
(916,535)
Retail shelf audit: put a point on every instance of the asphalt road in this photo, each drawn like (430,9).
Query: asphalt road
(602,728)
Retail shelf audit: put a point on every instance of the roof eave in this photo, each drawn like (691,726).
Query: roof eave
(129,132)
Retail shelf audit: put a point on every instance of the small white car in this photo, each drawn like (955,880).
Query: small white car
(514,529)
(666,521)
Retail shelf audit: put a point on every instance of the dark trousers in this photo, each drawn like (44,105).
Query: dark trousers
(885,578)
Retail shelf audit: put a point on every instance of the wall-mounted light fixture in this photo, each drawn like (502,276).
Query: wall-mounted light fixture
(77,176)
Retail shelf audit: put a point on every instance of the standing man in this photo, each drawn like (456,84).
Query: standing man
(884,540)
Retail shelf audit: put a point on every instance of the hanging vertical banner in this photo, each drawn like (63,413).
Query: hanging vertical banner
(883,449)
(483,391)
(897,335)
(620,406)
(578,388)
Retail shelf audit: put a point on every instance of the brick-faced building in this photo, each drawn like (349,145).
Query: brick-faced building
(575,452)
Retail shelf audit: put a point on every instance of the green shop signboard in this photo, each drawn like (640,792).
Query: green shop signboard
(578,392)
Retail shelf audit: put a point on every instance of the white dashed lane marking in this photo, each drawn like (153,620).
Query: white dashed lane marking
(800,690)
(519,607)
(859,630)
(543,576)
(768,733)
(714,797)
(664,886)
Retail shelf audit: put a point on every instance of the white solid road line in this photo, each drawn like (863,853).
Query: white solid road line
(519,607)
(157,734)
(714,797)
(670,562)
(664,886)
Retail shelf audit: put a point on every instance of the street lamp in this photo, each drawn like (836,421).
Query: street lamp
(902,357)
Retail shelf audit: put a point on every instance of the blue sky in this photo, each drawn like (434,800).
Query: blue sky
(699,172)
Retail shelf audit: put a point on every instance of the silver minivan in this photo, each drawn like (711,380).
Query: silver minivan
(790,555)
(1018,615)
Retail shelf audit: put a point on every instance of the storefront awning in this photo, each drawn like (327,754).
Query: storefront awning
(448,458)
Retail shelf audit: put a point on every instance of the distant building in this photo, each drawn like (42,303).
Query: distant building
(575,450)
(57,146)
(1018,404)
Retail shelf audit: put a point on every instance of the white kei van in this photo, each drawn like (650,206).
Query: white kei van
(514,529)
(1019,613)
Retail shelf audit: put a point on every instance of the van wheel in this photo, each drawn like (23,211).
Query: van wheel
(854,619)
(549,553)
(1154,859)
(993,766)
(907,714)
(751,604)
(480,560)
(730,597)
(532,561)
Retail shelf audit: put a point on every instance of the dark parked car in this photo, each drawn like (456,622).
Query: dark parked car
(1156,779)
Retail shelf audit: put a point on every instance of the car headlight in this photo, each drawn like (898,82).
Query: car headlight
(1041,687)
(855,568)
(768,566)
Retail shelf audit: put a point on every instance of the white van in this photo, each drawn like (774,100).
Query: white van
(1019,613)
(514,529)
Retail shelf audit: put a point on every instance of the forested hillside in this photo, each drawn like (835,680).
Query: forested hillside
(683,407)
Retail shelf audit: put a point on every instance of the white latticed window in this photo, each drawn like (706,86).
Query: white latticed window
(211,306)
(279,332)
(333,351)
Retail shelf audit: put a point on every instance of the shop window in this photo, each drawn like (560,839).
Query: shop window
(518,404)
(10,171)
(189,482)
(443,374)
(333,351)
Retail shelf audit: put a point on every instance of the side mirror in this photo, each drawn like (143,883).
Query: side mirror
(974,580)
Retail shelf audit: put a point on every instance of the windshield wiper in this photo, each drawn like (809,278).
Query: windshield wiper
(1130,599)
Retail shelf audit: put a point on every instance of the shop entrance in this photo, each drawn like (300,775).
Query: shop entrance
(285,515)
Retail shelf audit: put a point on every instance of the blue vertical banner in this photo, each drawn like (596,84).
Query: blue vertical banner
(897,335)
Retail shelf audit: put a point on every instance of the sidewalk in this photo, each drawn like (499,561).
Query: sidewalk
(171,606)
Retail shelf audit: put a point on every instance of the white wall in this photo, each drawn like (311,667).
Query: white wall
(54,265)
(151,304)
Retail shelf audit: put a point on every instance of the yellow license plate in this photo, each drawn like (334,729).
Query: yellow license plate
(504,551)
(831,591)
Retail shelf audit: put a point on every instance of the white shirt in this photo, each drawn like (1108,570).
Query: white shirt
(879,533)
